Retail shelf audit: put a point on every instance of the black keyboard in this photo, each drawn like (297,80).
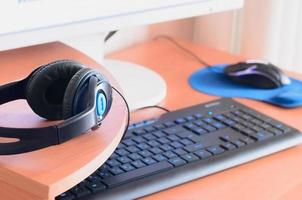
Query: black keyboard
(202,136)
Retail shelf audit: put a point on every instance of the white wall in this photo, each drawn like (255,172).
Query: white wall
(129,36)
(263,29)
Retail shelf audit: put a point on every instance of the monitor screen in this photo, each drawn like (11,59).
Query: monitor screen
(26,15)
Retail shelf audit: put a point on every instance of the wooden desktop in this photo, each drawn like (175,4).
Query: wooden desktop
(278,176)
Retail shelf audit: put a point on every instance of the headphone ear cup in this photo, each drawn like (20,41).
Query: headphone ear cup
(76,93)
(46,88)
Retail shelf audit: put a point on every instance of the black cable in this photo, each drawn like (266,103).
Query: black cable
(109,35)
(189,52)
(128,111)
(155,106)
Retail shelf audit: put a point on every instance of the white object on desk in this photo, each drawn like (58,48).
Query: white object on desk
(30,22)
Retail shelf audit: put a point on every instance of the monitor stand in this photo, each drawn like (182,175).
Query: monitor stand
(141,86)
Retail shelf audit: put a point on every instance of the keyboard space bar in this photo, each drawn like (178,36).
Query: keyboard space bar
(136,174)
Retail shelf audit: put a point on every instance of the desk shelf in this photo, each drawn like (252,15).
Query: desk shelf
(48,172)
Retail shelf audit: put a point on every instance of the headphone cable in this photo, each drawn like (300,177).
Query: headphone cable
(189,52)
(128,111)
(154,106)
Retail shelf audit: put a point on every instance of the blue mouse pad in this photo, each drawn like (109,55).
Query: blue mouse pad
(213,81)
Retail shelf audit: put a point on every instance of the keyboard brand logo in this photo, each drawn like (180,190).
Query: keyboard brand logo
(209,105)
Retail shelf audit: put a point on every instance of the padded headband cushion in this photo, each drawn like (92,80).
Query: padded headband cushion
(74,100)
(46,88)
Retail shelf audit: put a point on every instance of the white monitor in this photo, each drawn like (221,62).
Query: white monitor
(29,22)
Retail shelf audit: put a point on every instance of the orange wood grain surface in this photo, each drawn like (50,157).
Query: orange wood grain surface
(278,176)
(45,173)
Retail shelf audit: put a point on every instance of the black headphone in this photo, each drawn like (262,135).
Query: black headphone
(61,90)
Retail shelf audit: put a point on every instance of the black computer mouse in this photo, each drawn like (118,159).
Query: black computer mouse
(259,74)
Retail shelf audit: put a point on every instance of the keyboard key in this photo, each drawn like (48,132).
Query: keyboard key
(104,173)
(194,147)
(121,146)
(174,130)
(238,143)
(159,126)
(124,159)
(79,191)
(228,146)
(159,134)
(113,162)
(145,153)
(148,161)
(166,147)
(173,138)
(180,121)
(138,164)
(203,154)
(127,167)
(93,178)
(138,139)
(132,149)
(116,170)
(220,117)
(199,131)
(153,143)
(218,125)
(229,122)
(199,123)
(226,138)
(189,118)
(257,128)
(122,152)
(215,150)
(276,131)
(266,126)
(190,157)
(156,150)
(186,142)
(176,145)
(135,156)
(143,146)
(177,162)
(170,154)
(190,126)
(96,187)
(209,128)
(247,140)
(169,124)
(260,136)
(65,196)
(138,173)
(209,120)
(163,140)
(159,157)
(138,132)
(282,127)
(129,142)
(149,137)
(186,134)
(198,116)
(248,132)
(180,152)
(113,156)
(150,129)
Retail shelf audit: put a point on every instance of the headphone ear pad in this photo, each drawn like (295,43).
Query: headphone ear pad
(76,93)
(45,89)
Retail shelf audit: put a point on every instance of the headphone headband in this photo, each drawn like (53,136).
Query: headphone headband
(85,119)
